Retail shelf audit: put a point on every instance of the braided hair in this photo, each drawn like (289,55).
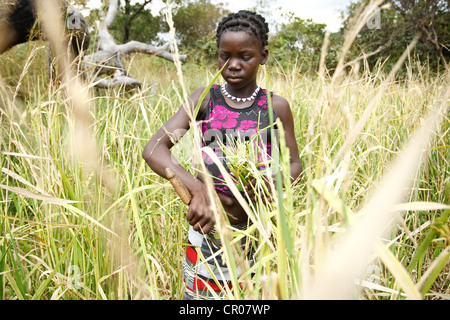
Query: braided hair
(245,21)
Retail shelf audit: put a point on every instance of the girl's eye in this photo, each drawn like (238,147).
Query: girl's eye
(246,58)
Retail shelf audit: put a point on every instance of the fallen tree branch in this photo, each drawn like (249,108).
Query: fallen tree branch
(107,60)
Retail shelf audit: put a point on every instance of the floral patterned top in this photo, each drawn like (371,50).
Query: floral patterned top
(225,129)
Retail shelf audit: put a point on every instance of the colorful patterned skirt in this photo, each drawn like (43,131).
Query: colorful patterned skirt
(205,273)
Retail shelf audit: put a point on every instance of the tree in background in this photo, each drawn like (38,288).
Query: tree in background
(298,41)
(399,21)
(105,65)
(432,19)
(133,21)
(196,22)
(136,22)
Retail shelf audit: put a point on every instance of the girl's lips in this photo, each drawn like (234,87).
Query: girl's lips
(233,79)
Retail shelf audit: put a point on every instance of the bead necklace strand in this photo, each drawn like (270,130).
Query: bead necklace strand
(226,93)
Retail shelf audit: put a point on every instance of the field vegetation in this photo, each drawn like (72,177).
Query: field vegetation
(83,217)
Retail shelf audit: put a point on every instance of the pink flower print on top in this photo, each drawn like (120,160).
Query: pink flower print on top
(222,118)
(246,125)
(204,127)
(263,100)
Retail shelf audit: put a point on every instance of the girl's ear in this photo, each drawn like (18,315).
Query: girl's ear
(264,56)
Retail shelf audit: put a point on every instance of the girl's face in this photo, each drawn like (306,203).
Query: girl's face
(245,54)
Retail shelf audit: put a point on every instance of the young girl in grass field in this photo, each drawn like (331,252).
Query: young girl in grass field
(236,111)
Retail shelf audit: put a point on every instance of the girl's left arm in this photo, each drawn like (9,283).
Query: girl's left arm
(283,111)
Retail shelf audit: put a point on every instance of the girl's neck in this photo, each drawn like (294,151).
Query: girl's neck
(244,92)
(241,101)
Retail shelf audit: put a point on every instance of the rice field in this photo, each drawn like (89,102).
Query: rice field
(83,217)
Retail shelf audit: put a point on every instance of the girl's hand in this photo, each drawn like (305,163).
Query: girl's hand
(251,190)
(200,215)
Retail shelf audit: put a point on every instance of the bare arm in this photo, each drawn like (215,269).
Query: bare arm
(283,111)
(158,156)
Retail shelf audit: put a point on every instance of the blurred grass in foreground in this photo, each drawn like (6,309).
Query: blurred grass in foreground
(368,220)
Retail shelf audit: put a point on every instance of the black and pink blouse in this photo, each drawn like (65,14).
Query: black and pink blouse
(222,126)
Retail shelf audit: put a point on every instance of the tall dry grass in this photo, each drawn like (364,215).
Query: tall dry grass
(82,217)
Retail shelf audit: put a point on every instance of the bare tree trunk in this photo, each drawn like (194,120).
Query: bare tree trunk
(130,18)
(107,60)
(433,39)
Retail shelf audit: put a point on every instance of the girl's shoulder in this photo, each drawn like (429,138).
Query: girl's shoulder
(280,105)
(195,97)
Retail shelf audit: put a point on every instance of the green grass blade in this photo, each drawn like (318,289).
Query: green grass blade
(434,271)
(398,271)
(45,284)
(426,242)
(207,88)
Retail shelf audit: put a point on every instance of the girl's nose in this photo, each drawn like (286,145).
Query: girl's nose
(233,64)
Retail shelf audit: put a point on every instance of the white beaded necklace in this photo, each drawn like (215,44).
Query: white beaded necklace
(226,93)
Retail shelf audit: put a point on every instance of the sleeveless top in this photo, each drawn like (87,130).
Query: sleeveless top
(230,132)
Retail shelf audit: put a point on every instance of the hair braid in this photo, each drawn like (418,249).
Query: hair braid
(245,21)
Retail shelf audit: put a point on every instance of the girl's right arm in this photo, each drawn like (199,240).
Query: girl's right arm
(158,156)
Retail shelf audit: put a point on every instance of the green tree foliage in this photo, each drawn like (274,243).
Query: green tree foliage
(399,21)
(298,40)
(136,22)
(195,22)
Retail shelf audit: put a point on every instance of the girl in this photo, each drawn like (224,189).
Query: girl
(238,108)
